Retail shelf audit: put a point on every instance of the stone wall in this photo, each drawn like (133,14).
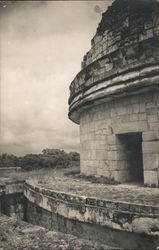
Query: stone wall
(115,222)
(124,26)
(102,152)
(124,48)
(119,224)
(116,94)
(12,198)
(105,235)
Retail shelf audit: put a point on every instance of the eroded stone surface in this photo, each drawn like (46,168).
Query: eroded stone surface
(110,214)
(119,193)
(125,51)
(116,206)
(11,197)
(116,210)
(21,235)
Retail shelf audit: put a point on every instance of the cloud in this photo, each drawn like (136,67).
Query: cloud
(42,46)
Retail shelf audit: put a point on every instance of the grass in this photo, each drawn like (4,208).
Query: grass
(40,173)
(75,173)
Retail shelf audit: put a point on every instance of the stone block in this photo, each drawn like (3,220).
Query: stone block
(153,111)
(100,136)
(154,126)
(130,109)
(124,118)
(151,178)
(150,105)
(121,110)
(142,116)
(116,155)
(106,131)
(116,147)
(150,161)
(134,99)
(106,165)
(98,130)
(118,165)
(101,165)
(88,167)
(129,127)
(113,113)
(152,118)
(150,147)
(101,154)
(136,108)
(142,107)
(91,136)
(97,144)
(150,135)
(93,154)
(92,144)
(113,140)
(134,117)
(98,123)
(83,154)
(145,225)
(121,176)
(82,165)
(104,172)
(100,172)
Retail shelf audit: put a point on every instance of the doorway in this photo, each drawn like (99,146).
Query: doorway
(132,149)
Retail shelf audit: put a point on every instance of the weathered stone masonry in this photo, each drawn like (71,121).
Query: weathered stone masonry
(115,97)
(120,224)
(12,198)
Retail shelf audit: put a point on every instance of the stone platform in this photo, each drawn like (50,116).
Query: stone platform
(119,215)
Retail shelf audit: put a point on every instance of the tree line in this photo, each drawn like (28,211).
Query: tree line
(50,158)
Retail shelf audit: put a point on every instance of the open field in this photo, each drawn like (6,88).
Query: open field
(39,173)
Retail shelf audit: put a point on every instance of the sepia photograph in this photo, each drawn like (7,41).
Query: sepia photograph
(79,124)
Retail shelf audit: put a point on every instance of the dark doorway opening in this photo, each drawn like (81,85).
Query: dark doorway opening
(132,146)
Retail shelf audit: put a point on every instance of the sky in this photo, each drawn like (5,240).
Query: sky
(42,44)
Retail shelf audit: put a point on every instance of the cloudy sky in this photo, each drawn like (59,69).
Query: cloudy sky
(42,44)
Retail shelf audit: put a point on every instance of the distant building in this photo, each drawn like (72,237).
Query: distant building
(115,97)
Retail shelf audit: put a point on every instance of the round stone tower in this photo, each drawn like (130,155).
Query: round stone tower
(115,96)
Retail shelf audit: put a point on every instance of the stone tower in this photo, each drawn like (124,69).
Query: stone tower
(115,96)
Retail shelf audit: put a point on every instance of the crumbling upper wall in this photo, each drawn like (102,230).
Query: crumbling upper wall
(124,48)
(125,23)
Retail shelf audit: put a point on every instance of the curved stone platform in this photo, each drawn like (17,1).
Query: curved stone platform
(112,221)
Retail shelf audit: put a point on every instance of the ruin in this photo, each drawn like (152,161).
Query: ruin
(115,96)
(115,99)
(117,216)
